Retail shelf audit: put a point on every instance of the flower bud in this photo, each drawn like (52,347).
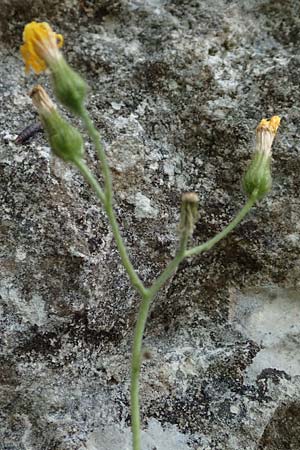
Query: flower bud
(41,50)
(65,140)
(189,212)
(258,179)
(70,89)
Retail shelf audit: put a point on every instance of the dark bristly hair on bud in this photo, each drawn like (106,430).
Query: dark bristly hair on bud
(189,212)
(70,89)
(65,141)
(258,179)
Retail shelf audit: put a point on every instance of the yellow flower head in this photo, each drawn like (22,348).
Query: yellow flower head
(265,134)
(258,179)
(269,125)
(41,46)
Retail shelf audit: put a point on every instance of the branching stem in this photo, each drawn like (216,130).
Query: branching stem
(230,227)
(147,294)
(136,360)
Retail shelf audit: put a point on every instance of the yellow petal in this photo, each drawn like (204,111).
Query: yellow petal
(269,125)
(39,42)
(59,40)
(274,123)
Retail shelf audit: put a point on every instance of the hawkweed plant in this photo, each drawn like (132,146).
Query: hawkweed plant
(40,51)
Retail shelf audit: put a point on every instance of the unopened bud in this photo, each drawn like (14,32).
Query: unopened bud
(189,212)
(258,179)
(65,140)
(70,89)
(42,101)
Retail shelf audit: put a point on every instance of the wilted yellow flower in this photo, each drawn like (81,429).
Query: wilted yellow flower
(258,179)
(42,101)
(189,212)
(65,140)
(265,133)
(41,46)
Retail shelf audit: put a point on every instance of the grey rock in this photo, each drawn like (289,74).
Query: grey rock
(176,90)
(271,316)
(143,208)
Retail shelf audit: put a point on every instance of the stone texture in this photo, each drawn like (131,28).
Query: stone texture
(176,88)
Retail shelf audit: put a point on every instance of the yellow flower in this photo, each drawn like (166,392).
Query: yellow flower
(41,46)
(258,179)
(41,50)
(265,134)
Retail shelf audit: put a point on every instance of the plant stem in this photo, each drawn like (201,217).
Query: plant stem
(182,253)
(95,136)
(211,242)
(171,267)
(136,361)
(144,310)
(134,278)
(85,172)
(147,295)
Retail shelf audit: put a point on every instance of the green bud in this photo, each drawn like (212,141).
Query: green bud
(70,89)
(189,212)
(65,140)
(258,179)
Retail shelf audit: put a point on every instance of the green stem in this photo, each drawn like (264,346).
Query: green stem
(95,136)
(134,278)
(211,242)
(86,173)
(144,310)
(146,294)
(136,361)
(171,267)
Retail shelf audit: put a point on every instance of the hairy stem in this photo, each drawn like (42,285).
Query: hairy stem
(136,360)
(89,177)
(145,305)
(147,295)
(171,267)
(230,227)
(95,136)
(108,203)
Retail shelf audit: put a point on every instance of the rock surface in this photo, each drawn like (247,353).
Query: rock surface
(176,88)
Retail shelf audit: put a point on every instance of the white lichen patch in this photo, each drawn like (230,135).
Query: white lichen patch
(32,311)
(143,207)
(113,437)
(271,317)
(126,154)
